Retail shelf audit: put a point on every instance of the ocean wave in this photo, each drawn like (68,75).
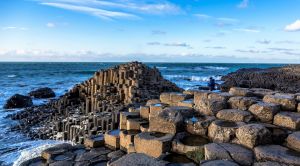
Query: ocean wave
(193,78)
(11,76)
(212,68)
(162,67)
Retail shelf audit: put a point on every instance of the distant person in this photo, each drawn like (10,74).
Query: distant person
(211,84)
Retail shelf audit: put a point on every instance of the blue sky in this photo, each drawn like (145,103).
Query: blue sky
(265,31)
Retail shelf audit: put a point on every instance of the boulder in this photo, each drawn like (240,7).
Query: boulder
(221,131)
(115,154)
(241,103)
(42,93)
(287,102)
(50,153)
(231,152)
(210,106)
(260,92)
(293,141)
(18,101)
(222,96)
(218,163)
(264,112)
(289,120)
(234,115)
(199,125)
(136,159)
(173,98)
(152,144)
(94,141)
(237,91)
(112,139)
(127,139)
(200,95)
(252,135)
(277,153)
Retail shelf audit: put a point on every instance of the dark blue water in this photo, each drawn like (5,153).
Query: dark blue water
(24,77)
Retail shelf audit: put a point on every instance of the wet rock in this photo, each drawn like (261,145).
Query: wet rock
(252,135)
(269,163)
(234,115)
(287,102)
(264,112)
(241,103)
(38,161)
(293,141)
(221,131)
(18,101)
(50,153)
(115,154)
(136,159)
(218,163)
(42,93)
(231,152)
(260,92)
(289,120)
(277,153)
(62,163)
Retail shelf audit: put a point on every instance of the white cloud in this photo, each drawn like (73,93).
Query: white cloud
(249,30)
(202,16)
(243,4)
(293,27)
(174,44)
(50,25)
(263,41)
(14,28)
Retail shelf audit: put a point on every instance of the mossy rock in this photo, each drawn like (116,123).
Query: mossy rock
(196,155)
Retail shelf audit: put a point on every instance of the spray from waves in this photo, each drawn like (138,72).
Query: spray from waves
(192,78)
(162,67)
(11,76)
(212,68)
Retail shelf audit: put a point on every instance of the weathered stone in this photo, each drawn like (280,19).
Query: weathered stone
(298,108)
(177,97)
(90,156)
(186,103)
(237,91)
(155,109)
(241,103)
(62,163)
(165,98)
(42,93)
(112,139)
(221,131)
(231,152)
(200,95)
(260,92)
(289,120)
(175,159)
(199,125)
(269,163)
(135,124)
(152,144)
(185,142)
(145,112)
(136,159)
(223,96)
(286,101)
(37,161)
(252,135)
(234,115)
(170,120)
(18,101)
(293,141)
(127,138)
(210,106)
(127,115)
(115,154)
(277,153)
(218,163)
(56,150)
(94,141)
(152,101)
(133,109)
(279,134)
(264,112)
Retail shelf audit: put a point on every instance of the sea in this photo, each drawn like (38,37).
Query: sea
(23,77)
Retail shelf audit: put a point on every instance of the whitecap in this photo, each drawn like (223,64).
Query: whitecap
(162,67)
(12,76)
(216,67)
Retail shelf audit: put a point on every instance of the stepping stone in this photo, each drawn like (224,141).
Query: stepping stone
(237,91)
(127,139)
(231,152)
(136,159)
(155,109)
(112,139)
(210,107)
(260,92)
(241,103)
(264,112)
(153,144)
(199,125)
(286,101)
(221,131)
(94,141)
(218,163)
(252,135)
(289,120)
(127,115)
(234,115)
(186,103)
(135,124)
(293,141)
(173,98)
(277,153)
(56,150)
(185,142)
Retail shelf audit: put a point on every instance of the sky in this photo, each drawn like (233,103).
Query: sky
(222,31)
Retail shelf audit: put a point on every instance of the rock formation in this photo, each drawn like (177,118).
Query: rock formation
(18,101)
(42,93)
(285,79)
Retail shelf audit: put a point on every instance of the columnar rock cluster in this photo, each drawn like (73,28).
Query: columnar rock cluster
(241,127)
(93,107)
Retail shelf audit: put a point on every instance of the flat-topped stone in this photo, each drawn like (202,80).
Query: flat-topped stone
(136,159)
(237,91)
(264,112)
(152,101)
(145,112)
(252,135)
(94,141)
(127,115)
(260,92)
(218,163)
(293,141)
(286,101)
(199,125)
(289,120)
(56,150)
(112,139)
(269,163)
(185,142)
(186,103)
(234,115)
(127,139)
(135,123)
(231,152)
(210,106)
(277,153)
(241,103)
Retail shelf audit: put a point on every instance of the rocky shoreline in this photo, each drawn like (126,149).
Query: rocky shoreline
(130,115)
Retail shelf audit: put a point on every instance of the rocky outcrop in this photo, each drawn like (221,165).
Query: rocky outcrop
(18,101)
(286,79)
(42,93)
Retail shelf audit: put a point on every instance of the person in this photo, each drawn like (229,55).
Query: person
(211,84)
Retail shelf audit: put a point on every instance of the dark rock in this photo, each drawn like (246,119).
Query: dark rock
(18,101)
(42,93)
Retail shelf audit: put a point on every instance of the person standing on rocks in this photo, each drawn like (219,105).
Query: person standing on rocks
(211,84)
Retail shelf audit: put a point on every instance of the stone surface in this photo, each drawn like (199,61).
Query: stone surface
(127,139)
(277,153)
(135,123)
(286,101)
(293,141)
(112,139)
(124,116)
(56,150)
(152,101)
(199,125)
(289,120)
(210,106)
(231,152)
(221,131)
(152,144)
(252,135)
(264,112)
(269,163)
(144,112)
(94,141)
(241,103)
(136,159)
(234,115)
(42,93)
(218,163)
(18,101)
(237,91)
